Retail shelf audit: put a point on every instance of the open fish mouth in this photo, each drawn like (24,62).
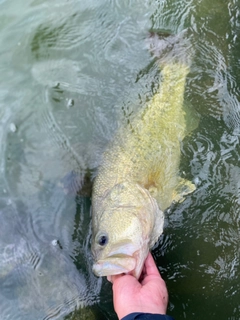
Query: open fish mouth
(115,264)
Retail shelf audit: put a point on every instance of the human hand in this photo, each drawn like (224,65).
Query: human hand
(148,295)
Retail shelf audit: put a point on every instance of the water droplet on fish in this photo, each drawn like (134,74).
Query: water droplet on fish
(13,127)
(70,103)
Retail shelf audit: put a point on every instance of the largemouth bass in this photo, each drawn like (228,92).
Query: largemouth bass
(139,178)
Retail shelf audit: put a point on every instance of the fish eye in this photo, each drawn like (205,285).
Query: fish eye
(102,240)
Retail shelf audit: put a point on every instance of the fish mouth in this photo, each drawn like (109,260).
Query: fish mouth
(123,257)
(115,264)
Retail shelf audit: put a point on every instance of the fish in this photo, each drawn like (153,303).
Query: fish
(138,178)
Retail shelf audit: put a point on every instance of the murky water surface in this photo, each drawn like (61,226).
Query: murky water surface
(70,72)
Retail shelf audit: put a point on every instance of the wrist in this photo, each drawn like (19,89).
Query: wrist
(153,309)
(146,316)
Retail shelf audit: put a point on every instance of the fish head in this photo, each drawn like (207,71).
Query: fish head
(120,245)
(122,234)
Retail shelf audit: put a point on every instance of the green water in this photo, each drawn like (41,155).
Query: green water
(70,72)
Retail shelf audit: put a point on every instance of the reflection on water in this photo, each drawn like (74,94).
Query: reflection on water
(71,73)
(38,273)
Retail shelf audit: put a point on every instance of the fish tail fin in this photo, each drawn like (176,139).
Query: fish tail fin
(169,48)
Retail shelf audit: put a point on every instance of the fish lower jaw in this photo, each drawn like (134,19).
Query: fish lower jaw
(114,265)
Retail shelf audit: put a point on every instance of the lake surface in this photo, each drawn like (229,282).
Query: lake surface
(70,72)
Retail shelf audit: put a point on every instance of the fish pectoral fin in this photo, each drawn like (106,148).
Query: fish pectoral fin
(158,228)
(183,188)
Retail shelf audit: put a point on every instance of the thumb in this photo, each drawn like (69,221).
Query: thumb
(113,278)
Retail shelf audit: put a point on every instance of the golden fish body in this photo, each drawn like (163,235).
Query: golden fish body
(138,179)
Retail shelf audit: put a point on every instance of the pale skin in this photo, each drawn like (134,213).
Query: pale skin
(148,295)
